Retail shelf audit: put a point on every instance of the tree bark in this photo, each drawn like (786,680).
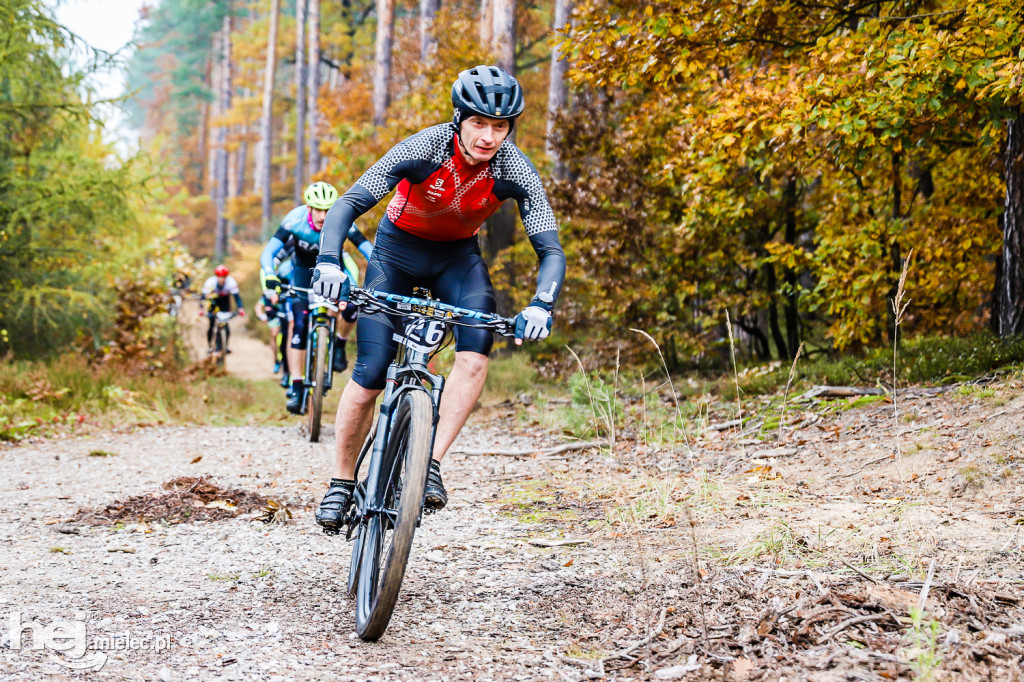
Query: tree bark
(504,34)
(300,97)
(1011,298)
(428,44)
(788,274)
(313,90)
(266,118)
(486,23)
(221,154)
(771,286)
(558,93)
(382,72)
(501,228)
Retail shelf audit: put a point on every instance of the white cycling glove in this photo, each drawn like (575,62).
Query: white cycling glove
(331,282)
(534,323)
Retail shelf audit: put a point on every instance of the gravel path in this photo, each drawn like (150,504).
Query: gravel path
(243,599)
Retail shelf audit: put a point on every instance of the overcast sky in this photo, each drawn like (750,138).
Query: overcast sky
(107,25)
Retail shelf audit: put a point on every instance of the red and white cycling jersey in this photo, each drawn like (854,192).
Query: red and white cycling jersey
(452,203)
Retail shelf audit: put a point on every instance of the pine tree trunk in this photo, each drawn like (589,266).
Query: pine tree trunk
(428,43)
(221,154)
(382,72)
(313,90)
(1011,299)
(212,112)
(558,93)
(300,97)
(266,117)
(501,228)
(504,34)
(486,23)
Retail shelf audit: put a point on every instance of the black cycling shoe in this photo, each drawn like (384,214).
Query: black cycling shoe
(436,497)
(333,510)
(339,362)
(297,403)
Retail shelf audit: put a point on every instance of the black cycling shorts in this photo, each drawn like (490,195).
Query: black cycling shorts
(454,272)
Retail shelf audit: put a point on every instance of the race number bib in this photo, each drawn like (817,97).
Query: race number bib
(422,335)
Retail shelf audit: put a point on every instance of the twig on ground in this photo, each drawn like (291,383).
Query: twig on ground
(927,586)
(865,465)
(816,583)
(624,653)
(857,570)
(526,453)
(848,622)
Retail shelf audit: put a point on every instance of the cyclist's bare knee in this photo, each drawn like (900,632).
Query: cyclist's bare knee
(471,362)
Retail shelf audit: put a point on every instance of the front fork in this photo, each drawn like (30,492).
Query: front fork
(399,380)
(316,321)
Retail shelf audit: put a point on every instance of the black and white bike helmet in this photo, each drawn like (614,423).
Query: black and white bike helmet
(486,91)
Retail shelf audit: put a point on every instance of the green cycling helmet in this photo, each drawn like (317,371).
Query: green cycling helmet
(320,195)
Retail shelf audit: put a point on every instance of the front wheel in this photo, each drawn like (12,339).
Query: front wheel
(321,345)
(218,346)
(387,536)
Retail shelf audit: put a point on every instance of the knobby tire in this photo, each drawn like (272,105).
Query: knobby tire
(218,347)
(315,408)
(357,544)
(385,549)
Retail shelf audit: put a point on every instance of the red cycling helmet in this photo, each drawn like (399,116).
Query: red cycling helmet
(221,271)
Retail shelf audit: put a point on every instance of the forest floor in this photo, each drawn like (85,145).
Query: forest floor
(849,545)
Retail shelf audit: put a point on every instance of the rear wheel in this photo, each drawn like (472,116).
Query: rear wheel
(321,344)
(387,536)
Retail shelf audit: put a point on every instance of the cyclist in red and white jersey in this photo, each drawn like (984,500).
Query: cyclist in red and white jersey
(448,179)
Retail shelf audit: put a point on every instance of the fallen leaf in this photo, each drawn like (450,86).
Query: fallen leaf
(196,460)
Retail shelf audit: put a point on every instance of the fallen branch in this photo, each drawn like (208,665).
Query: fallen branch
(724,425)
(775,452)
(927,586)
(865,465)
(848,622)
(839,392)
(816,583)
(643,642)
(527,453)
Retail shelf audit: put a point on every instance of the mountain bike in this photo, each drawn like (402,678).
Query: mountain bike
(220,335)
(388,500)
(319,351)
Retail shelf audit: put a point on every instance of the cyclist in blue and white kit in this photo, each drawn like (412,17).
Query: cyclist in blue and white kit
(300,228)
(447,179)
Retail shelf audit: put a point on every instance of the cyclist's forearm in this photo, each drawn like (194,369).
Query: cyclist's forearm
(364,245)
(339,221)
(270,251)
(551,271)
(238,301)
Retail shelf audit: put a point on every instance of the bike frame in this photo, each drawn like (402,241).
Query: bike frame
(408,372)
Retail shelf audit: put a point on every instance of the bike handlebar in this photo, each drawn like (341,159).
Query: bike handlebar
(382,301)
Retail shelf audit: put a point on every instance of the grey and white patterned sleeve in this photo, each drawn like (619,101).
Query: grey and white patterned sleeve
(415,158)
(519,179)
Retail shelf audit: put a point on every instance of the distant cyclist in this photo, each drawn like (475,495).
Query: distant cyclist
(219,291)
(300,228)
